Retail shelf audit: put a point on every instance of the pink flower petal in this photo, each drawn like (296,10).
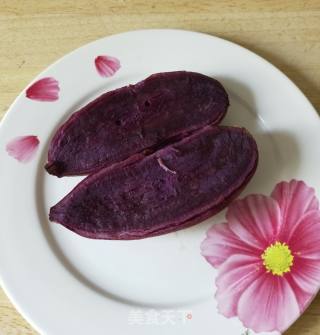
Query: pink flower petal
(107,66)
(45,89)
(221,243)
(255,219)
(23,148)
(306,274)
(303,298)
(268,304)
(235,275)
(294,198)
(304,239)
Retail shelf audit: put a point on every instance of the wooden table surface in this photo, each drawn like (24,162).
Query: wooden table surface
(36,33)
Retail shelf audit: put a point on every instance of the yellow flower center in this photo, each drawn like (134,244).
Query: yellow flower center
(277,258)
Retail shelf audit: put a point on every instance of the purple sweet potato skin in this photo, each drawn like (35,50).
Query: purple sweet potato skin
(173,188)
(124,122)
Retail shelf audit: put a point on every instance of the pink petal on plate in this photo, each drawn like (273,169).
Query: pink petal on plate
(255,219)
(221,243)
(304,241)
(295,199)
(234,277)
(45,89)
(303,298)
(107,66)
(306,274)
(304,238)
(304,280)
(268,304)
(23,148)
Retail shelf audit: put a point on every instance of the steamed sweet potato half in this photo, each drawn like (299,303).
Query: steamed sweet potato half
(173,188)
(124,123)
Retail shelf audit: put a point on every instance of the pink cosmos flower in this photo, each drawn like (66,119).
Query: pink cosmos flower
(23,148)
(268,256)
(45,89)
(107,66)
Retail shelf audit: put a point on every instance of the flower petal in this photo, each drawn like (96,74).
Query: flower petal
(294,198)
(304,239)
(221,243)
(23,148)
(268,304)
(45,89)
(107,66)
(235,275)
(255,219)
(298,285)
(306,274)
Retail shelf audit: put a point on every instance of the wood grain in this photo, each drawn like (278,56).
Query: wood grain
(35,33)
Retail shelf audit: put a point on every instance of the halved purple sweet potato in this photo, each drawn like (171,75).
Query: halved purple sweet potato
(173,188)
(123,123)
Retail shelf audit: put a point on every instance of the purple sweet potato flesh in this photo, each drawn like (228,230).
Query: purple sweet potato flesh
(173,188)
(124,122)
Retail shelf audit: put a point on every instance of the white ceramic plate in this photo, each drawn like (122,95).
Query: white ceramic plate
(65,284)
